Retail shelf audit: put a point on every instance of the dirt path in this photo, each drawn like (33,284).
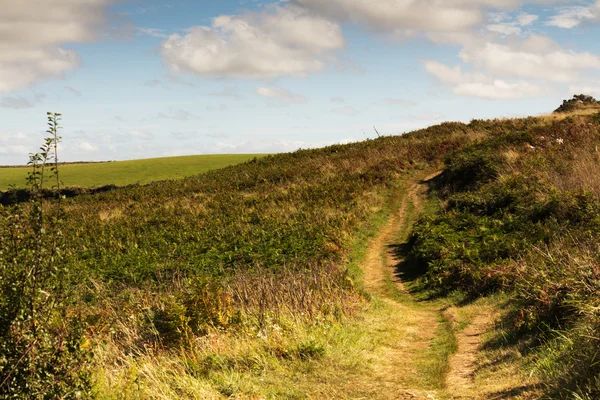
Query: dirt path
(460,379)
(423,322)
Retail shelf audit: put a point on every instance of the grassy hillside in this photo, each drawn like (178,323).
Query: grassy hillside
(243,250)
(521,214)
(244,282)
(128,172)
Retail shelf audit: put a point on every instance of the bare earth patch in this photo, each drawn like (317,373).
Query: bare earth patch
(461,377)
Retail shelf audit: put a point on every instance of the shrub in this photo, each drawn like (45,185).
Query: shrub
(578,101)
(43,351)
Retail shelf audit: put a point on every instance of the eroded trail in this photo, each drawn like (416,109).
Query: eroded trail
(409,367)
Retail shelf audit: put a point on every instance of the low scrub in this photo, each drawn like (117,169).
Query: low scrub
(521,214)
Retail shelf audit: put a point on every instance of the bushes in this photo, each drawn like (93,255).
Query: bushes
(578,101)
(522,225)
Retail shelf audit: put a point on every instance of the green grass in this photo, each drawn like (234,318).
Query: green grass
(128,172)
(240,282)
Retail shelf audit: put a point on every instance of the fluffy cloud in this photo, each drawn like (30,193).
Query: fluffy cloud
(30,38)
(589,87)
(281,96)
(570,17)
(399,16)
(476,84)
(502,24)
(513,68)
(504,29)
(278,41)
(409,17)
(526,60)
(525,19)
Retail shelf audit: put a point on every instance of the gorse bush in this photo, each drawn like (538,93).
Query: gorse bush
(41,343)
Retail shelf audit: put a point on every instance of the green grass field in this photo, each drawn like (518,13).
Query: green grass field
(128,172)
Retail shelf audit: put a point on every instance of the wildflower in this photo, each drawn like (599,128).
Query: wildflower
(560,141)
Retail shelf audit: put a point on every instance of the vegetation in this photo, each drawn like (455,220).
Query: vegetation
(521,214)
(42,354)
(120,173)
(578,102)
(240,281)
(242,250)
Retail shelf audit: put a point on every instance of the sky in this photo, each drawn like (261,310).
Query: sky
(152,78)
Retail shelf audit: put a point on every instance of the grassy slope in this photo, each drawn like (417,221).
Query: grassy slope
(521,215)
(270,237)
(235,283)
(128,172)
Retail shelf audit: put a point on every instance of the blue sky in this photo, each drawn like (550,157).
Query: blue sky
(138,79)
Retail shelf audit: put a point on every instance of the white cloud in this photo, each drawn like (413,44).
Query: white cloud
(279,41)
(525,19)
(476,84)
(570,17)
(504,24)
(399,16)
(504,29)
(510,68)
(498,17)
(282,96)
(590,88)
(523,60)
(407,18)
(30,38)
(500,90)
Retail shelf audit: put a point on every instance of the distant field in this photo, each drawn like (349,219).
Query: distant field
(128,172)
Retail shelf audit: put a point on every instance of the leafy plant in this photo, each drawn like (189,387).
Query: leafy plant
(42,352)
